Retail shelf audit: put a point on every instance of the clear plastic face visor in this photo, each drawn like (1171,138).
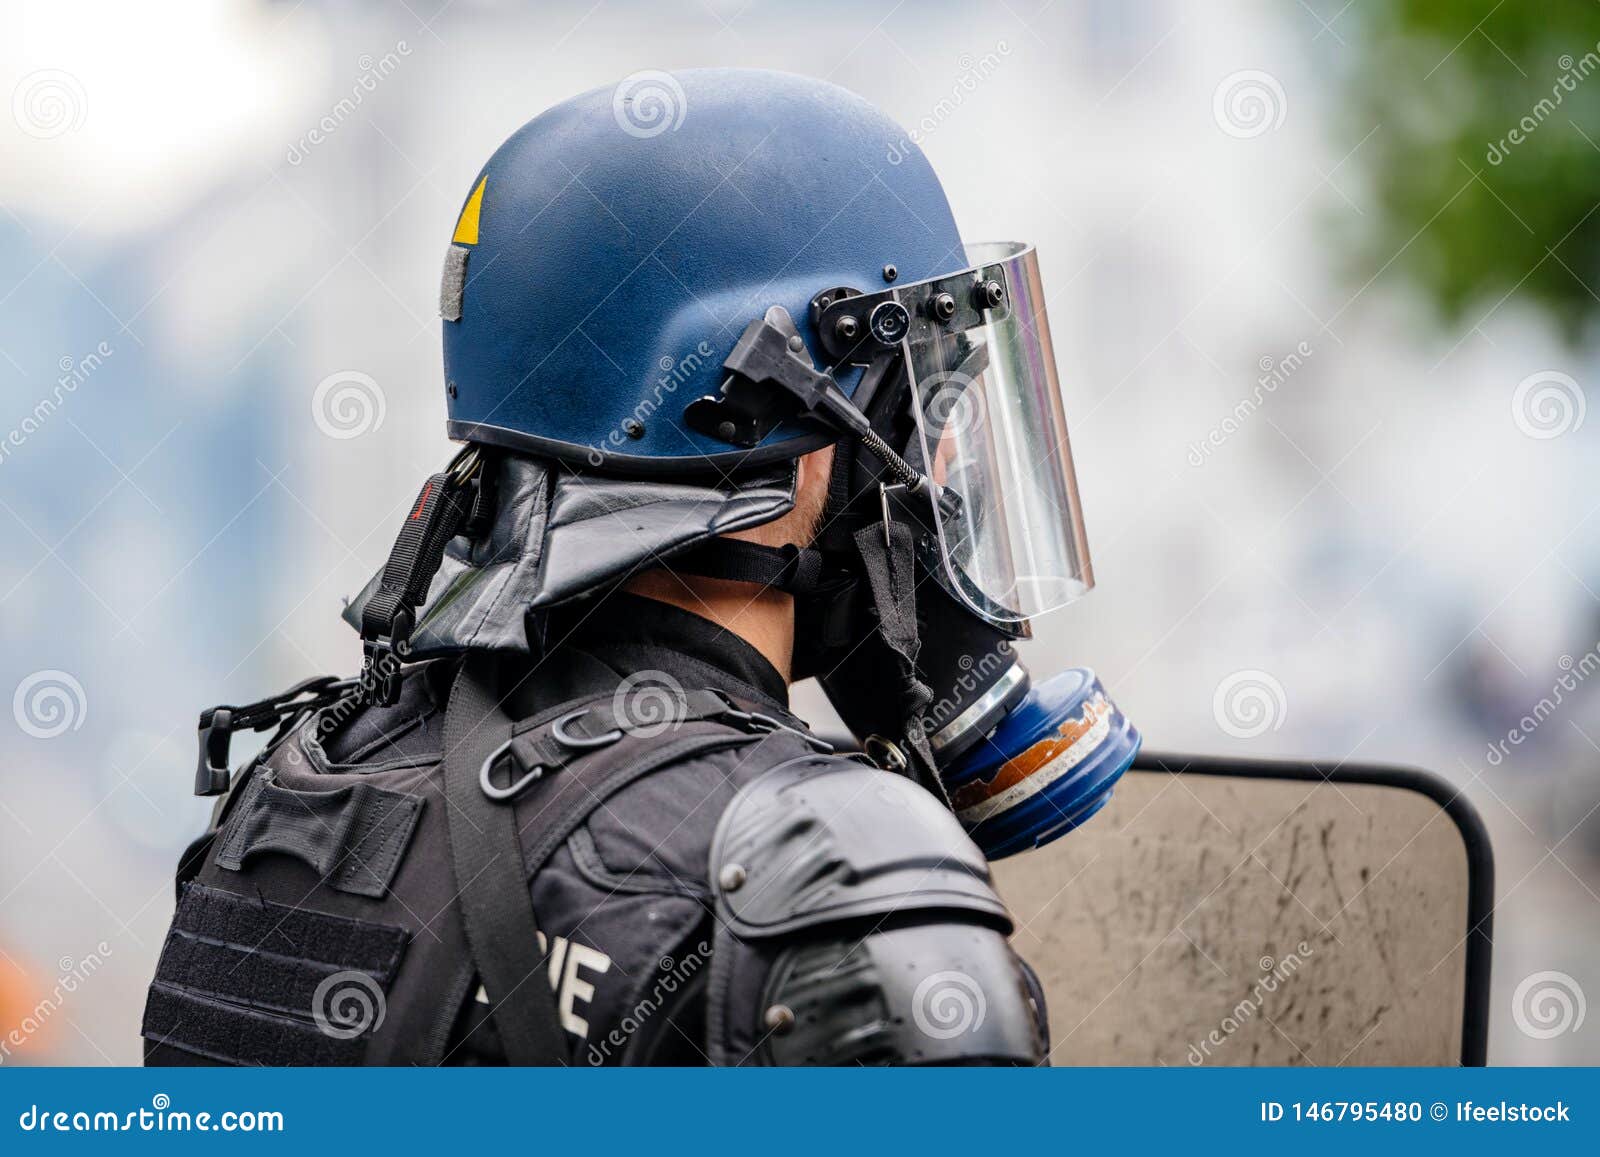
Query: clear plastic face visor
(988,409)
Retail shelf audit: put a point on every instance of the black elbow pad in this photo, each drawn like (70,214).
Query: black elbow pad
(856,924)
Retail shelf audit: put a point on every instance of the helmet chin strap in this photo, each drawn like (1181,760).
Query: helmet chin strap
(885,551)
(793,569)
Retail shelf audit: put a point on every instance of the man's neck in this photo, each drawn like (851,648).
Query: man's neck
(764,618)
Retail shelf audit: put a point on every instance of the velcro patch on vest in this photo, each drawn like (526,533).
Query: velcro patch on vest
(251,982)
(453,284)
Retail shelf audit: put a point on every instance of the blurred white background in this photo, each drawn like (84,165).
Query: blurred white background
(1380,536)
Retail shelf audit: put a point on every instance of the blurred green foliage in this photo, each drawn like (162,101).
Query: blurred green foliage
(1509,92)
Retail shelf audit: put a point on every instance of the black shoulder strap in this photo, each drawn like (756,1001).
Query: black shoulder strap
(491,882)
(482,746)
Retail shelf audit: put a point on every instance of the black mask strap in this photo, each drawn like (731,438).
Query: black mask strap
(886,550)
(797,570)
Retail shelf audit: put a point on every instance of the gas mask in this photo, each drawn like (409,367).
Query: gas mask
(953,521)
(1020,762)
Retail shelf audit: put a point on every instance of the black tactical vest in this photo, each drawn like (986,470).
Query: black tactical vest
(349,912)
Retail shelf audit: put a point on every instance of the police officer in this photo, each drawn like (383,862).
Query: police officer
(739,407)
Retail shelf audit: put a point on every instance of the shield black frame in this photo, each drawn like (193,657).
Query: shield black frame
(1474,836)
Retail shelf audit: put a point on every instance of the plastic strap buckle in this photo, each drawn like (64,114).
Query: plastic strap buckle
(381,662)
(534,757)
(213,775)
(450,501)
(217,725)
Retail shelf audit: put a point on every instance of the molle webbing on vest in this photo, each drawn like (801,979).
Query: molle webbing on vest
(251,982)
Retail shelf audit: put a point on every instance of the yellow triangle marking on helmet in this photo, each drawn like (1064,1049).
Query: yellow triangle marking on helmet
(467,224)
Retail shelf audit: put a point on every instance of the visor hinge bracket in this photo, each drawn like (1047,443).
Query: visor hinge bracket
(771,353)
(770,379)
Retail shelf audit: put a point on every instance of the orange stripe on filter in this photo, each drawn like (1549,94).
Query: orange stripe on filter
(1043,753)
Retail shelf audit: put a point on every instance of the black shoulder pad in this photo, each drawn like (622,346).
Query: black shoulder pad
(934,994)
(823,839)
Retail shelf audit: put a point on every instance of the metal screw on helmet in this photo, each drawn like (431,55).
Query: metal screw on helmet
(943,306)
(890,273)
(848,328)
(732,877)
(889,322)
(779,1018)
(633,428)
(988,294)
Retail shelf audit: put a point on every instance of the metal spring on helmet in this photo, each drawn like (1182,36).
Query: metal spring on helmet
(911,479)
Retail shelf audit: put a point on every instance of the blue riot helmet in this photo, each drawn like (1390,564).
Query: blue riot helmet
(613,250)
(657,297)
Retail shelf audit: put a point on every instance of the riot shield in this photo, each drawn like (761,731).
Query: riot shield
(1242,912)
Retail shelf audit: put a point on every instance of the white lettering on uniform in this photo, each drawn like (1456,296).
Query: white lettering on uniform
(573,988)
(569,986)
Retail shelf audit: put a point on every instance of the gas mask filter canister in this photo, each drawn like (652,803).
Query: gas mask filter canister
(1023,763)
(1049,765)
